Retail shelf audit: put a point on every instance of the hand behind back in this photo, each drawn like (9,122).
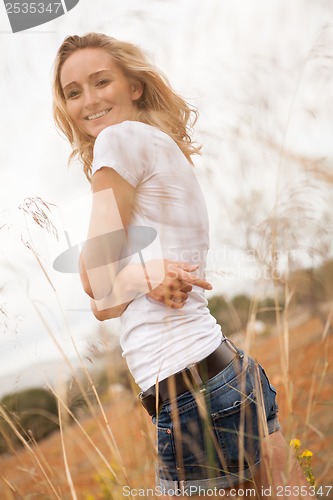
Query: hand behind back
(178,282)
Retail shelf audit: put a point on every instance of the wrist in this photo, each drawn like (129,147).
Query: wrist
(128,279)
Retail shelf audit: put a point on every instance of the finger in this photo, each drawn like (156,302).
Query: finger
(165,292)
(192,279)
(167,301)
(201,283)
(159,294)
(179,297)
(185,287)
(175,305)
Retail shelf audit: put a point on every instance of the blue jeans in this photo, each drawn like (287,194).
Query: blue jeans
(211,438)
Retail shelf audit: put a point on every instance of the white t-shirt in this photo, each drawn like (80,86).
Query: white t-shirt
(158,341)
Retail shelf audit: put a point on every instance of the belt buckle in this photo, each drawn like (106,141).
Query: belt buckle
(140,395)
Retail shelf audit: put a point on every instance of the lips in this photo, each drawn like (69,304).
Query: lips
(98,115)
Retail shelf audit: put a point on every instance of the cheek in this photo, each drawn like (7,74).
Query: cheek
(123,95)
(72,110)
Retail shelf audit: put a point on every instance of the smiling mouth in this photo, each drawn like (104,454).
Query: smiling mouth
(98,115)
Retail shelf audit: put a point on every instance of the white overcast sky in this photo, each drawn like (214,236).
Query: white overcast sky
(260,73)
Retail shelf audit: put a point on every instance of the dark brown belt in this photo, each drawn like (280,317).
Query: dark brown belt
(192,377)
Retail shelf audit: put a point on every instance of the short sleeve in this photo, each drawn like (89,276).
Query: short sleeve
(128,148)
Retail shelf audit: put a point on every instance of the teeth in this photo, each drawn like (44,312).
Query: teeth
(98,115)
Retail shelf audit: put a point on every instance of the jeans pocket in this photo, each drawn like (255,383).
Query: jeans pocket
(237,431)
(269,392)
(272,388)
(165,449)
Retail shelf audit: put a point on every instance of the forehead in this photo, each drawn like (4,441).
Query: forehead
(84,62)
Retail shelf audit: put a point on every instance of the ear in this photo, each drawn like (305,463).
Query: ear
(137,89)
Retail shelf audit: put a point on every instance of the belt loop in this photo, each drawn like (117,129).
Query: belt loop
(196,377)
(240,354)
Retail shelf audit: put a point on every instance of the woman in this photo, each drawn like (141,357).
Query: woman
(214,408)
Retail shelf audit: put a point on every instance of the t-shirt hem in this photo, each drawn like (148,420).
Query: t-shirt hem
(118,168)
(171,370)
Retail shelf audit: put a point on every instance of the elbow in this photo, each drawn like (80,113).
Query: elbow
(96,294)
(86,286)
(88,291)
(99,315)
(108,313)
(104,314)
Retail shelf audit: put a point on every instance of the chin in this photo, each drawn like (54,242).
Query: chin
(96,130)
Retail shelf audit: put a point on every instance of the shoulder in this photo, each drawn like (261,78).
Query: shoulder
(125,138)
(127,147)
(125,128)
(119,136)
(135,131)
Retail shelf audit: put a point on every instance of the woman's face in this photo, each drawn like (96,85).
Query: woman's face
(97,92)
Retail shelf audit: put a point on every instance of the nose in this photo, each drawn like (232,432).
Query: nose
(90,98)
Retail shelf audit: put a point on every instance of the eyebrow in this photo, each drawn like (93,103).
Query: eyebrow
(97,73)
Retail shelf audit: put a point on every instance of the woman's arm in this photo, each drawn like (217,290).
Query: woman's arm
(110,290)
(84,277)
(170,289)
(111,210)
(110,313)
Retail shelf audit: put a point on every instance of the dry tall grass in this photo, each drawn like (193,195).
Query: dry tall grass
(112,446)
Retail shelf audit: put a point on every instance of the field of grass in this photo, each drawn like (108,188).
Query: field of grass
(98,455)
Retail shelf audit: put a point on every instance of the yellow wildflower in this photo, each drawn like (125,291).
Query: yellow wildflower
(306,453)
(295,443)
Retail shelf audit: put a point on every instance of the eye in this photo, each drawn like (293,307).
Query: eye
(103,82)
(72,94)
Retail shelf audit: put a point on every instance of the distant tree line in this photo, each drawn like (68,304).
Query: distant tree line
(310,287)
(32,414)
(27,415)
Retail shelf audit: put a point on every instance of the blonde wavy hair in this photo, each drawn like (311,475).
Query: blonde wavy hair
(159,105)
